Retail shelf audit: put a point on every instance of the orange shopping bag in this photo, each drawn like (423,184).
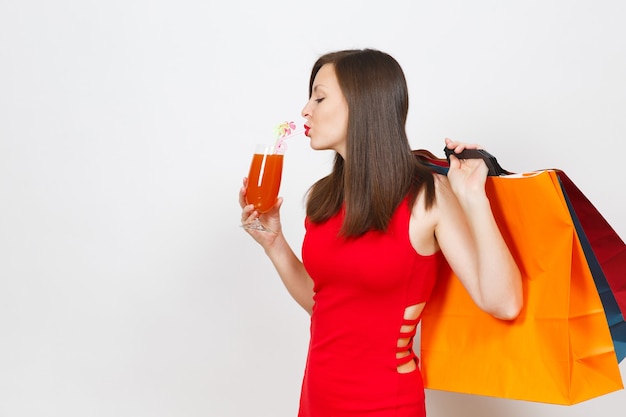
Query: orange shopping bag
(559,350)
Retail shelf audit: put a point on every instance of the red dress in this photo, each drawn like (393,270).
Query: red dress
(362,287)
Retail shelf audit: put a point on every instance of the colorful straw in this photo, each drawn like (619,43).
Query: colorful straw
(282,132)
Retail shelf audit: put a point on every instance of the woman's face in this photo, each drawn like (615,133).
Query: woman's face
(326,113)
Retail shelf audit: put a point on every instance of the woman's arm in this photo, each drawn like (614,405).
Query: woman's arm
(290,269)
(469,238)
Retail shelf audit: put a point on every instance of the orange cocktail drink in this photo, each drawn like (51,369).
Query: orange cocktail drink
(264,178)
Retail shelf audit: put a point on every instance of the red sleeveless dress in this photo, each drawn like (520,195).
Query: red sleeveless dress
(362,287)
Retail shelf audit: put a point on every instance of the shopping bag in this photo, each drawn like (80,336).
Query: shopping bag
(604,249)
(559,350)
(606,255)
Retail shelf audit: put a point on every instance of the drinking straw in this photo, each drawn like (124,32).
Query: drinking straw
(282,132)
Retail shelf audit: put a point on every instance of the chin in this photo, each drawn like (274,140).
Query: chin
(316,145)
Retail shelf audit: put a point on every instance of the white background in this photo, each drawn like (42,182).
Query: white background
(127,287)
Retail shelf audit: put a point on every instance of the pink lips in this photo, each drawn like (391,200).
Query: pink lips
(306,130)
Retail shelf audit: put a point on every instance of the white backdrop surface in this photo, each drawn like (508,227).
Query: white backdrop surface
(126,286)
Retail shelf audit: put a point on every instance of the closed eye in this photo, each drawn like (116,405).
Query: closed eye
(319,100)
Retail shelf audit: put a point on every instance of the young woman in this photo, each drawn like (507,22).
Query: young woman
(377,228)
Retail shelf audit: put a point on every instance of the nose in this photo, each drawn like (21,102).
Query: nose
(306,112)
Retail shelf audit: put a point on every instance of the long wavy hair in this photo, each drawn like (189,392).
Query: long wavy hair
(379,170)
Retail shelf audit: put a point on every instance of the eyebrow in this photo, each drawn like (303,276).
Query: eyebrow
(318,86)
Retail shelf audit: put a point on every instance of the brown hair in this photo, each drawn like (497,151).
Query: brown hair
(379,170)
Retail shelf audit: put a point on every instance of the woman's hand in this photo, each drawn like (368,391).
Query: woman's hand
(270,219)
(467,176)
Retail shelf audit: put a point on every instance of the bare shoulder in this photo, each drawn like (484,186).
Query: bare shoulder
(424,220)
(443,189)
(446,202)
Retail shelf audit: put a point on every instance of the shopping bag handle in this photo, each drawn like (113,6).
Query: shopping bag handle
(442,164)
(494,168)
